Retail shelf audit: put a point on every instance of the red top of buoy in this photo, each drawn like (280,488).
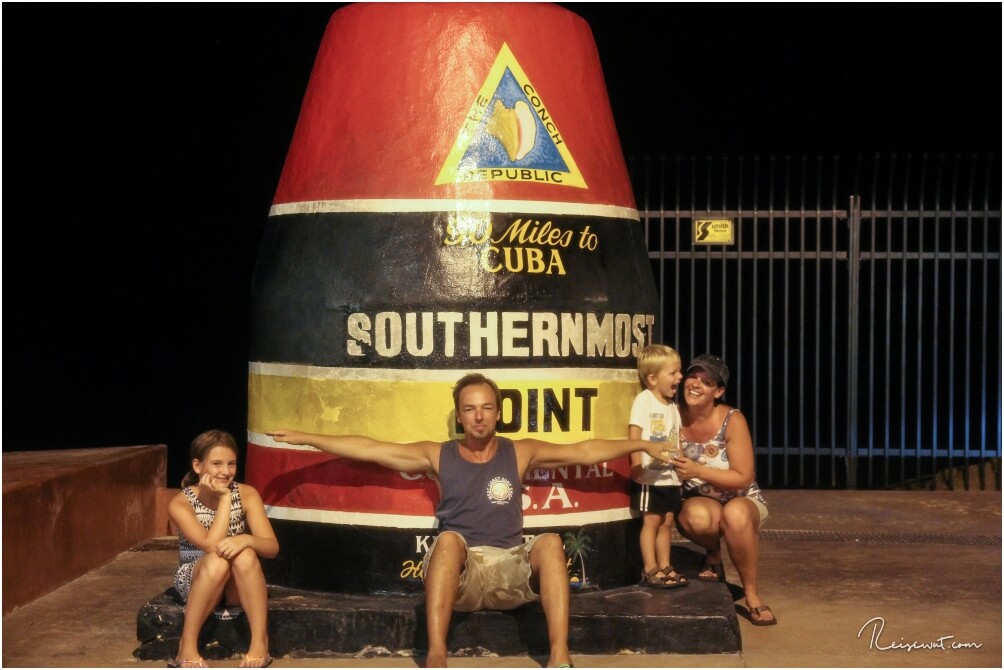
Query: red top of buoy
(445,101)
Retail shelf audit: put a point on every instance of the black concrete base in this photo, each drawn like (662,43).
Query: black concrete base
(697,619)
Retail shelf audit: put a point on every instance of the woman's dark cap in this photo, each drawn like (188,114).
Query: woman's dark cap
(714,366)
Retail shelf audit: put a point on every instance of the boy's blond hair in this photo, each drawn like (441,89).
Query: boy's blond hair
(652,359)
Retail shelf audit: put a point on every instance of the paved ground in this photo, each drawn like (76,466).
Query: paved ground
(857,579)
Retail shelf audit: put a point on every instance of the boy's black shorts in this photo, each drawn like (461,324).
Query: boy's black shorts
(656,499)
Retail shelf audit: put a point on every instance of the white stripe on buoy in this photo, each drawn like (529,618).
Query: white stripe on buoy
(499,206)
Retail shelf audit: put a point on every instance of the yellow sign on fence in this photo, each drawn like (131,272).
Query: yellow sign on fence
(713,231)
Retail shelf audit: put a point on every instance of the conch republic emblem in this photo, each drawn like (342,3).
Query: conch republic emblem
(454,199)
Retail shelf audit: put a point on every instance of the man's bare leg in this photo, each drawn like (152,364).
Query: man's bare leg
(442,579)
(550,579)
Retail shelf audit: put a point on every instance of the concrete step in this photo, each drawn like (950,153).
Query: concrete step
(697,619)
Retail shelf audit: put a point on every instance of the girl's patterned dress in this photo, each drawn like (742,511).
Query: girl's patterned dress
(189,553)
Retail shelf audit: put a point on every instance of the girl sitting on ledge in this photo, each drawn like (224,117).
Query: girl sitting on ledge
(222,532)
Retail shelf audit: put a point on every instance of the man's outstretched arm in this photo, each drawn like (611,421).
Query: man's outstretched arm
(412,457)
(547,455)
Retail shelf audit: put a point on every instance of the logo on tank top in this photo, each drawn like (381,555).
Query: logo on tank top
(499,491)
(509,134)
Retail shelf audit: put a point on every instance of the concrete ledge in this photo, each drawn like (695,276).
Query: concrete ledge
(698,619)
(66,512)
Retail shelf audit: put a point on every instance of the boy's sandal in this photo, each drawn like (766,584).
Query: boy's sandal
(197,663)
(757,611)
(717,570)
(650,580)
(673,579)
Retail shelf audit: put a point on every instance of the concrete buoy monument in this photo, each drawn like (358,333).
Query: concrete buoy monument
(454,199)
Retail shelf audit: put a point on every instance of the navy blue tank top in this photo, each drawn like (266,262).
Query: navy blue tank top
(481,501)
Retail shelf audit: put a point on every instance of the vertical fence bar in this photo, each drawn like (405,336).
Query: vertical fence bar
(770,313)
(739,275)
(756,300)
(725,265)
(663,334)
(986,219)
(853,286)
(801,323)
(679,246)
(904,206)
(818,320)
(984,301)
(678,249)
(692,340)
(953,219)
(709,345)
(833,312)
(966,366)
(918,407)
(936,360)
(872,401)
(785,263)
(887,373)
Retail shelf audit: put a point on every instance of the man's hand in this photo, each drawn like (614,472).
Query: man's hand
(287,436)
(659,451)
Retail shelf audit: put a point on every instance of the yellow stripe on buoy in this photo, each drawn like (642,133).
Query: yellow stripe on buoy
(554,404)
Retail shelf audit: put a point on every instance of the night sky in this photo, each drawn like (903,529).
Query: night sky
(145,142)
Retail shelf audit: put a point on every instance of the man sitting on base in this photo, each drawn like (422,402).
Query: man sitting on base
(478,560)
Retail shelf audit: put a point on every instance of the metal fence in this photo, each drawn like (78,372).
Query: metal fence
(858,305)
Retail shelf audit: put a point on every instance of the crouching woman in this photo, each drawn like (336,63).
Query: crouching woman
(223,531)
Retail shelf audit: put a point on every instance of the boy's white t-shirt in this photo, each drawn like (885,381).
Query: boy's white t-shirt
(654,417)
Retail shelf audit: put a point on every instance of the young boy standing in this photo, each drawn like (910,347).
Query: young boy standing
(655,487)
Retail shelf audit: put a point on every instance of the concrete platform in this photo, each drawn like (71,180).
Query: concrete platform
(857,579)
(70,511)
(697,619)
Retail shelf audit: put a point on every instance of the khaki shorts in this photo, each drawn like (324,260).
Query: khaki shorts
(760,508)
(493,578)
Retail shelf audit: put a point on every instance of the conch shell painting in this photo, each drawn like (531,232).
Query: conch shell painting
(515,128)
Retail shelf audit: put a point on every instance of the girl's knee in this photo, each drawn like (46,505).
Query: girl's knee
(245,561)
(212,567)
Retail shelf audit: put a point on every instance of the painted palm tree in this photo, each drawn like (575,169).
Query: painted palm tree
(578,545)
